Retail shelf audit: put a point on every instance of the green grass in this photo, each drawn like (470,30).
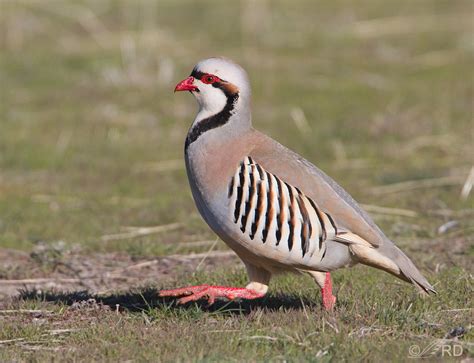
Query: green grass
(381,323)
(91,141)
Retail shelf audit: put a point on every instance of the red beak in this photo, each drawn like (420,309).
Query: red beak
(186,85)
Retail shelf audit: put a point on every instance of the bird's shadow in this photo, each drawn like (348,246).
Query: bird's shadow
(148,299)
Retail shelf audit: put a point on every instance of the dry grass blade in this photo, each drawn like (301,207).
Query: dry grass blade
(417,184)
(332,325)
(26,311)
(61,331)
(195,244)
(389,211)
(136,266)
(451,213)
(300,120)
(206,255)
(467,187)
(202,255)
(38,281)
(264,337)
(140,231)
(7,341)
(33,345)
(26,346)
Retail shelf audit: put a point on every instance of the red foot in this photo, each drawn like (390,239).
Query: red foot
(194,293)
(329,300)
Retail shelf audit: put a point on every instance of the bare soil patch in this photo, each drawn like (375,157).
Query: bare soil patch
(99,273)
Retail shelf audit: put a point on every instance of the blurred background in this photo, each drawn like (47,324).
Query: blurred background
(376,93)
(95,208)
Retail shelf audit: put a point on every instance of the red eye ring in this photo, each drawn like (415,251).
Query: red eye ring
(209,79)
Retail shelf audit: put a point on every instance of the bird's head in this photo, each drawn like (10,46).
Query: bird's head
(216,83)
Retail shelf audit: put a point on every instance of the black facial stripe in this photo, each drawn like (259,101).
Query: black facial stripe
(197,74)
(214,121)
(219,84)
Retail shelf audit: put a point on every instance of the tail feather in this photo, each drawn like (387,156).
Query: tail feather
(408,269)
(387,257)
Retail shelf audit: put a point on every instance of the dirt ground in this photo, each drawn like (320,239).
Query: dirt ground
(98,274)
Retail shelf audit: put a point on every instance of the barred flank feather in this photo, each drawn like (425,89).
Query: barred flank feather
(263,203)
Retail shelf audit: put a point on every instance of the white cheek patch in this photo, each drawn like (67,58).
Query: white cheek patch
(211,101)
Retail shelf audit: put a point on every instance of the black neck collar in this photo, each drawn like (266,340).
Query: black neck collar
(217,120)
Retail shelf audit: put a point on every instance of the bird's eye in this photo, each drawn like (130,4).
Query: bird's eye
(208,79)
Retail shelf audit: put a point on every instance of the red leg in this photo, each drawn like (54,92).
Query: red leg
(328,298)
(193,293)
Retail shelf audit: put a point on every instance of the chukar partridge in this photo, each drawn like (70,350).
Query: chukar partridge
(275,209)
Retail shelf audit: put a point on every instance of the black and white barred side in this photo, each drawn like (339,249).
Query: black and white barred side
(277,214)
